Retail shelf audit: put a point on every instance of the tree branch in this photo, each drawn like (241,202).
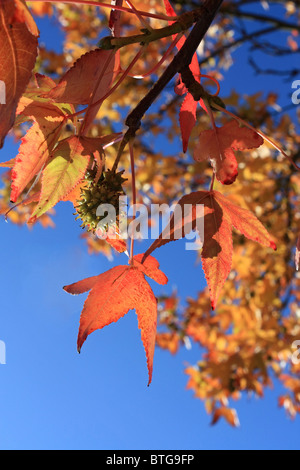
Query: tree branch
(183,23)
(180,62)
(280,24)
(237,42)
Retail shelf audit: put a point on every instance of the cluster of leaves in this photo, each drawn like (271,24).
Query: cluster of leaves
(247,319)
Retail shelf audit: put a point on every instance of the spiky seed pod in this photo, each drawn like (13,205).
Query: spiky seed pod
(106,191)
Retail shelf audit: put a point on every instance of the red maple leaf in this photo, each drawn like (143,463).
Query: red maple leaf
(297,254)
(187,113)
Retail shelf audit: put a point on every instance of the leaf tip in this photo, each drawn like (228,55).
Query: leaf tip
(273,245)
(32,220)
(66,289)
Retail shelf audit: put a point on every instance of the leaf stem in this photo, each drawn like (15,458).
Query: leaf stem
(212,119)
(139,16)
(213,79)
(162,60)
(211,188)
(211,115)
(133,187)
(114,21)
(121,148)
(113,7)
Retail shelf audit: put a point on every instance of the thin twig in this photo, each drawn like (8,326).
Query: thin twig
(182,60)
(112,7)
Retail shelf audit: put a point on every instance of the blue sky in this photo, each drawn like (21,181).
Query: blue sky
(53,398)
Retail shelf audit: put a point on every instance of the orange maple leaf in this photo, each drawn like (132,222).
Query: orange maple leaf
(34,152)
(39,141)
(118,243)
(229,414)
(113,237)
(23,15)
(114,293)
(217,145)
(220,216)
(18,51)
